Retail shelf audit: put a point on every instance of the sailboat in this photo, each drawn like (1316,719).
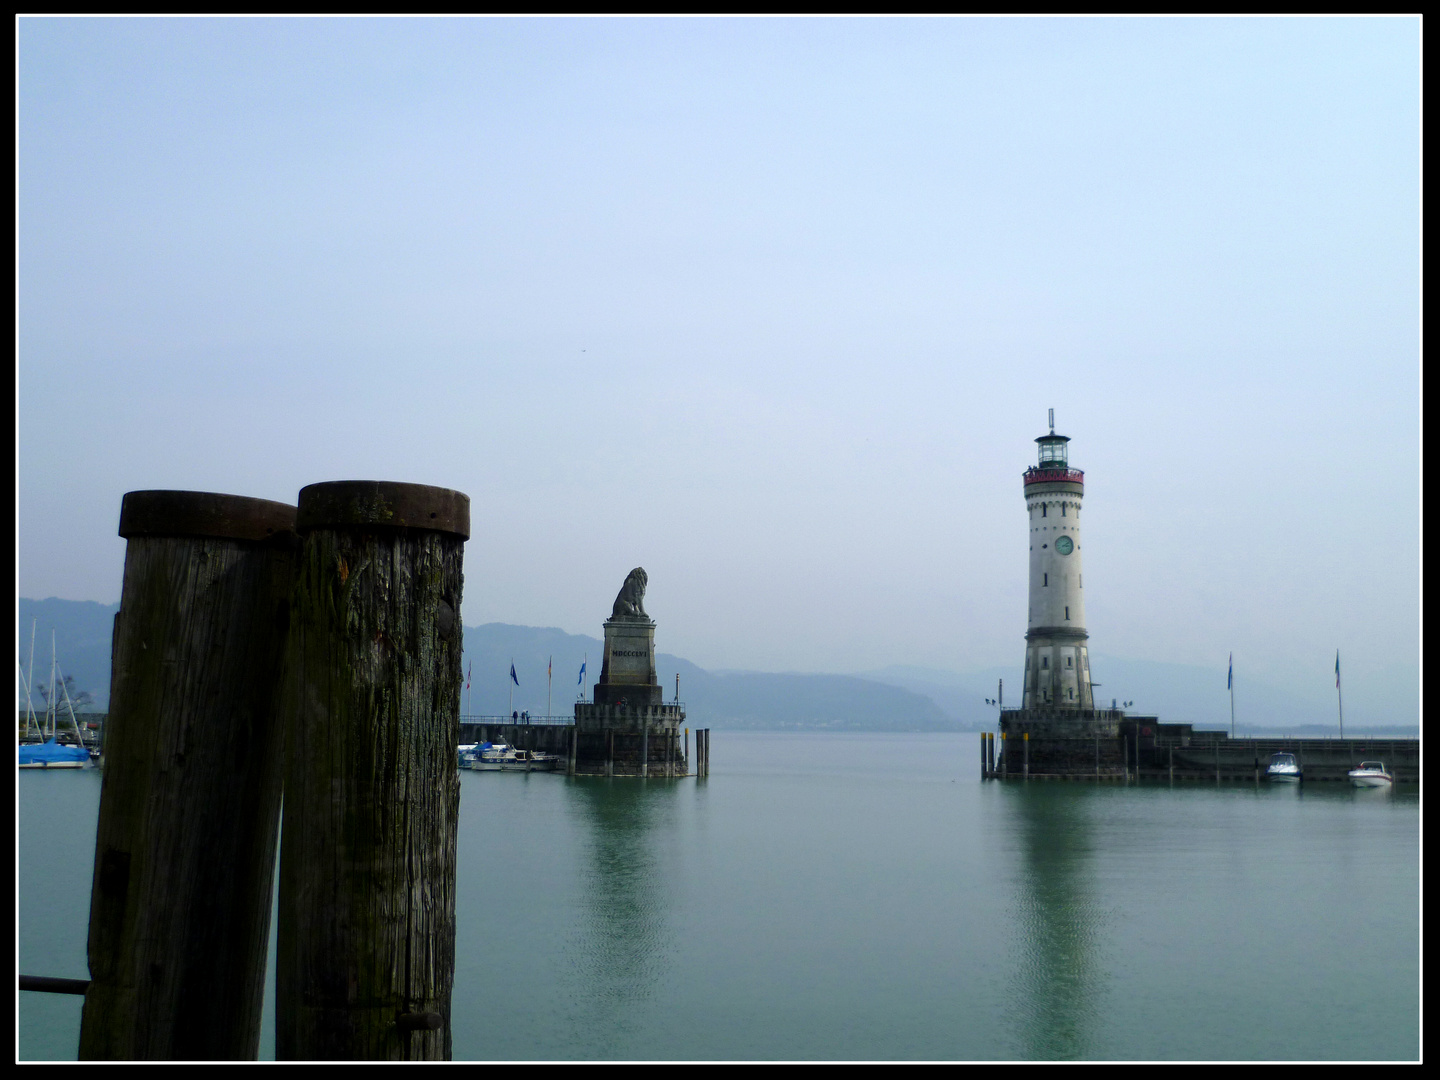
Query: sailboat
(38,751)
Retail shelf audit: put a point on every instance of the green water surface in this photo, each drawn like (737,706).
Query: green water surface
(867,897)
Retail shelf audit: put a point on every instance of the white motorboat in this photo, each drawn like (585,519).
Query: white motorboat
(1284,768)
(1371,774)
(501,757)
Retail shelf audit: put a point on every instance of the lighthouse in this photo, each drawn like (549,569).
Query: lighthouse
(1057,657)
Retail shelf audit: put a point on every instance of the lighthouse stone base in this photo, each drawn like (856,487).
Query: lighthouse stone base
(1073,743)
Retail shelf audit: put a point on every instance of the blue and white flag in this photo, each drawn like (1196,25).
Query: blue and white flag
(1230,677)
(1337,669)
(512,674)
(581,679)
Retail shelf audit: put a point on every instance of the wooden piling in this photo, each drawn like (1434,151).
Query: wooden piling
(366,955)
(1004,759)
(1025,738)
(190,798)
(645,745)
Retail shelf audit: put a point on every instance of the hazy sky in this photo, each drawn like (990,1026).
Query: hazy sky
(773,308)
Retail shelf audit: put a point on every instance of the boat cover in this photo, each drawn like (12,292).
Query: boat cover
(51,751)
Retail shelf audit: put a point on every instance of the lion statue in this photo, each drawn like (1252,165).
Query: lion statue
(630,604)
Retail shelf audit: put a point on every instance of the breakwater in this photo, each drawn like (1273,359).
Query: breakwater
(1138,753)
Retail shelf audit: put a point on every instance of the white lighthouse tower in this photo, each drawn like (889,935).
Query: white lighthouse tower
(1057,658)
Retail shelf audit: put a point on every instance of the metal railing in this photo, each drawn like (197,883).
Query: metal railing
(567,718)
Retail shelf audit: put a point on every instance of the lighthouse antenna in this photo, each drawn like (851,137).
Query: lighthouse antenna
(1052,421)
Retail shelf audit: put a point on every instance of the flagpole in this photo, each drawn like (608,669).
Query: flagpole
(1339,702)
(549,678)
(511,681)
(1230,683)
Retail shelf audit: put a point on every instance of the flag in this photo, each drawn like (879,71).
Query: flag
(467,674)
(1337,669)
(512,674)
(581,679)
(1230,676)
(550,669)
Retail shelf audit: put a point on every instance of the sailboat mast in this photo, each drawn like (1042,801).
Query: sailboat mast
(51,712)
(29,678)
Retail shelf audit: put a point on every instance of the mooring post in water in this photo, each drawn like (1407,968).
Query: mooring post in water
(645,745)
(190,796)
(366,956)
(1004,759)
(1025,738)
(1172,765)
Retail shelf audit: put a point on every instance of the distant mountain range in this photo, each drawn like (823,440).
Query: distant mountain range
(896,698)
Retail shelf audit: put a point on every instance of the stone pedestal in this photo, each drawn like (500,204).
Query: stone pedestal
(627,675)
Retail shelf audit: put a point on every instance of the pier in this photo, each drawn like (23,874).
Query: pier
(1143,749)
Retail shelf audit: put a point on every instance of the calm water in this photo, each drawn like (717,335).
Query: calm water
(867,897)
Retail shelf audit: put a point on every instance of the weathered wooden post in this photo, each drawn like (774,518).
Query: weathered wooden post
(366,958)
(1025,738)
(190,799)
(1004,758)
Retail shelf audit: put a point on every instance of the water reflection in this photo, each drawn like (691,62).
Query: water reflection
(625,942)
(1057,927)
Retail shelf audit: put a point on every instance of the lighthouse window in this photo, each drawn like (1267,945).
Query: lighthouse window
(1042,509)
(1047,579)
(1062,509)
(1067,613)
(1071,694)
(1067,661)
(1044,661)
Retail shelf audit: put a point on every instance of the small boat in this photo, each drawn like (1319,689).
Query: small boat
(491,757)
(1371,774)
(52,754)
(467,753)
(1284,768)
(501,757)
(39,750)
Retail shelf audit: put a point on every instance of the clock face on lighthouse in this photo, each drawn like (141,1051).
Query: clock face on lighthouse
(1064,545)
